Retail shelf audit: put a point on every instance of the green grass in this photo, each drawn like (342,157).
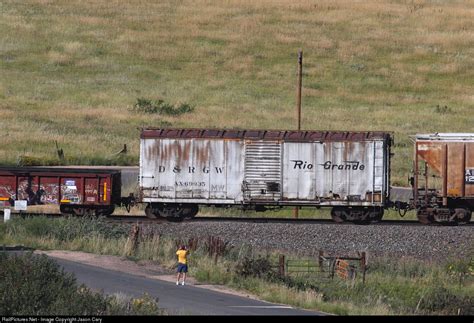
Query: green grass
(71,71)
(392,287)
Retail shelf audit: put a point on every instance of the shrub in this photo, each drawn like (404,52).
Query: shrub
(442,110)
(35,285)
(161,107)
(256,267)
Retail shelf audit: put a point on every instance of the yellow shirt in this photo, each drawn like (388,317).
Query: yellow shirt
(182,256)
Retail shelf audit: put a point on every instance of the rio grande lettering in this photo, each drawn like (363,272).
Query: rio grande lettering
(299,164)
(348,165)
(329,165)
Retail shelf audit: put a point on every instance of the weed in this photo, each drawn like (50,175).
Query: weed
(161,107)
(442,110)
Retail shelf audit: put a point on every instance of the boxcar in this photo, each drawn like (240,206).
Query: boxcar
(77,191)
(443,180)
(181,169)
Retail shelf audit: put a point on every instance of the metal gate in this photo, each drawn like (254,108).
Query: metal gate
(262,170)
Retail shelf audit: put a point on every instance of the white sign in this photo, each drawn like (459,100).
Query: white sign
(20,205)
(6,215)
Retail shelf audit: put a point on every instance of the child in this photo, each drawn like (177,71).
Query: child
(182,253)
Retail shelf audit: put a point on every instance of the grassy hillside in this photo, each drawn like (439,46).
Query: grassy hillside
(71,70)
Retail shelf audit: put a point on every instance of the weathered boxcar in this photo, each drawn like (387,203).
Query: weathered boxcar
(76,190)
(181,169)
(443,181)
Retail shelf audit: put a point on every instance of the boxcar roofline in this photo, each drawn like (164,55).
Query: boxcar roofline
(271,135)
(45,171)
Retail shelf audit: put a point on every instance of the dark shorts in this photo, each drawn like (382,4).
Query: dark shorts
(182,268)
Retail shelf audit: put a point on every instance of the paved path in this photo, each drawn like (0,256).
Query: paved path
(177,300)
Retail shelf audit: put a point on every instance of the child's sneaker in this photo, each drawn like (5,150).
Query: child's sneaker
(177,283)
(182,283)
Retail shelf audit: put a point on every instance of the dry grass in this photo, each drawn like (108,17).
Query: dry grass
(71,70)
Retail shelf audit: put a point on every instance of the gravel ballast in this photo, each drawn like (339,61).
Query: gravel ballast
(421,242)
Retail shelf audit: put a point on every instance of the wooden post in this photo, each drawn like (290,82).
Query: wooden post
(363,265)
(300,83)
(320,260)
(281,266)
(298,105)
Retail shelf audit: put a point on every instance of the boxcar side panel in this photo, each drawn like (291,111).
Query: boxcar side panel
(455,171)
(50,189)
(262,170)
(191,160)
(334,172)
(234,157)
(217,170)
(299,171)
(345,170)
(71,188)
(190,170)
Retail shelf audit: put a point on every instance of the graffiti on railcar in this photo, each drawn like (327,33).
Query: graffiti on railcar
(70,192)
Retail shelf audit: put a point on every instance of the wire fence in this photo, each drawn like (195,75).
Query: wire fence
(325,266)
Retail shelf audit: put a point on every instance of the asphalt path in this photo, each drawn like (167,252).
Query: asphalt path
(176,300)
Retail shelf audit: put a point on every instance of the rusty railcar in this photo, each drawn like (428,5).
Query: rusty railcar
(77,191)
(181,169)
(443,181)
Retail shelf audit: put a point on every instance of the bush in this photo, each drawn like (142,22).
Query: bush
(35,285)
(161,107)
(256,267)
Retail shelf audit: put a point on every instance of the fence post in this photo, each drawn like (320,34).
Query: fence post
(133,236)
(320,260)
(333,266)
(217,249)
(363,264)
(281,265)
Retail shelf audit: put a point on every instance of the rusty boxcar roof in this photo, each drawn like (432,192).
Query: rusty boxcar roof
(445,137)
(284,135)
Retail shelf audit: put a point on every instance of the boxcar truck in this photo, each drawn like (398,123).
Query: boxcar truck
(443,181)
(181,169)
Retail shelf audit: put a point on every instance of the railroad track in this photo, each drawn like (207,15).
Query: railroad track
(144,219)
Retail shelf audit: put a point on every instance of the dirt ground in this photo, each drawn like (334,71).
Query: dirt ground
(147,269)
